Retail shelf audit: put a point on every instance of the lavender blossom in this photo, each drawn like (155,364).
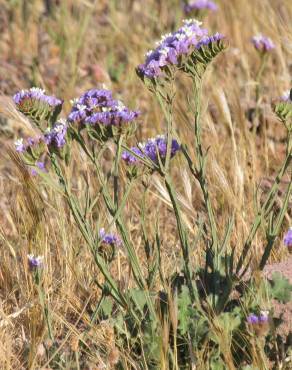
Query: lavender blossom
(288,238)
(35,262)
(252,319)
(263,43)
(40,165)
(38,94)
(206,40)
(113,116)
(110,239)
(30,145)
(263,317)
(172,47)
(287,96)
(99,107)
(19,145)
(150,150)
(200,5)
(57,135)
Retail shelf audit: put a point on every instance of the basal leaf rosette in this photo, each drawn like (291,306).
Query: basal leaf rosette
(101,115)
(189,49)
(39,107)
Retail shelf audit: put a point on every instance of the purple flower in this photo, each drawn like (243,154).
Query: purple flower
(99,107)
(150,150)
(130,158)
(35,262)
(40,165)
(31,143)
(263,317)
(206,40)
(288,238)
(19,145)
(78,113)
(200,5)
(110,239)
(263,43)
(113,116)
(253,319)
(57,135)
(172,47)
(287,96)
(37,94)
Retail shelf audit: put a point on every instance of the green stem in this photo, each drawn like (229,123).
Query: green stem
(276,230)
(87,235)
(264,211)
(116,170)
(182,235)
(200,172)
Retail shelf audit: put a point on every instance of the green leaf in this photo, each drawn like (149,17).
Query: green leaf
(107,306)
(280,288)
(184,302)
(139,298)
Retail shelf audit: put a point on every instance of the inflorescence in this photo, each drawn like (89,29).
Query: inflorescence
(99,107)
(288,240)
(31,143)
(200,5)
(57,135)
(259,323)
(35,94)
(35,262)
(172,47)
(110,239)
(263,43)
(254,319)
(151,149)
(287,96)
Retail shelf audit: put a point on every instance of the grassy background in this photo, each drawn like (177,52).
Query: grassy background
(84,44)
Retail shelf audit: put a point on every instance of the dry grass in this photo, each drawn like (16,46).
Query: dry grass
(87,43)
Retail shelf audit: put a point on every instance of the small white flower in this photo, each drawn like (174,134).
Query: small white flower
(148,53)
(74,101)
(37,90)
(81,107)
(18,142)
(192,22)
(286,96)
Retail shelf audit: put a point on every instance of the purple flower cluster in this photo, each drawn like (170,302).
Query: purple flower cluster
(40,165)
(263,43)
(287,96)
(200,5)
(253,319)
(206,40)
(22,147)
(288,238)
(37,94)
(150,150)
(172,47)
(99,107)
(35,262)
(57,135)
(110,239)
